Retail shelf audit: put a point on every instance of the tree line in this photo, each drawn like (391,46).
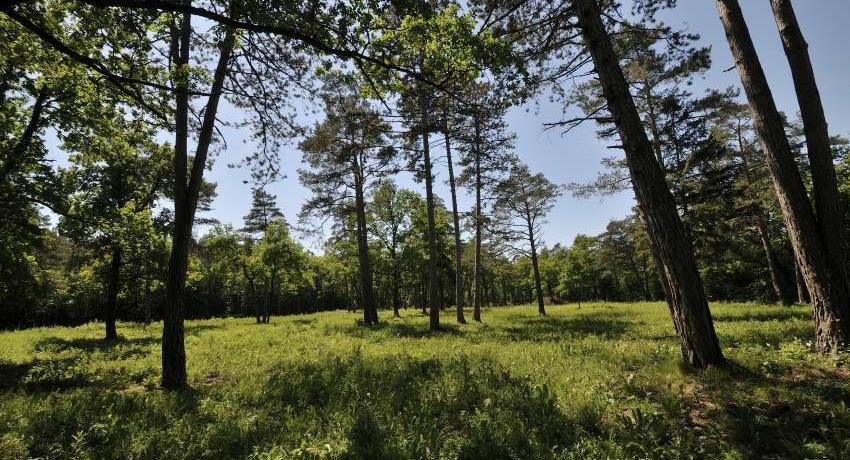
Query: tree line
(410,87)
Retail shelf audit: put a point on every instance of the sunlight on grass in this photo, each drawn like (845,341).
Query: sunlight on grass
(604,380)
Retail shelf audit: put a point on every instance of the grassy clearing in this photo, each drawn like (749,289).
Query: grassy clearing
(601,381)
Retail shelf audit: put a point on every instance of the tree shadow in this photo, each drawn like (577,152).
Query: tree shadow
(122,348)
(800,412)
(772,315)
(397,329)
(553,328)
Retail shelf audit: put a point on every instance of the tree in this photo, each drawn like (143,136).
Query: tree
(827,204)
(390,222)
(671,248)
(824,279)
(346,153)
(264,211)
(522,201)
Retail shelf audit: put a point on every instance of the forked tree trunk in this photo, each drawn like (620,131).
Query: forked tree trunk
(458,247)
(113,286)
(824,185)
(186,197)
(476,269)
(827,286)
(673,251)
(433,274)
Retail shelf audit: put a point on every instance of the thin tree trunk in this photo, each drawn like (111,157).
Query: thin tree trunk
(802,292)
(780,286)
(186,198)
(686,298)
(824,185)
(113,286)
(370,312)
(458,247)
(826,284)
(476,269)
(538,290)
(433,275)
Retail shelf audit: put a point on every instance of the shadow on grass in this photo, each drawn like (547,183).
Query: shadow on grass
(772,315)
(396,329)
(796,412)
(551,328)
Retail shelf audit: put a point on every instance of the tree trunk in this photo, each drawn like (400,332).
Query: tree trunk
(538,290)
(802,292)
(824,185)
(186,198)
(113,286)
(476,269)
(370,312)
(686,298)
(396,288)
(777,278)
(433,254)
(826,284)
(458,247)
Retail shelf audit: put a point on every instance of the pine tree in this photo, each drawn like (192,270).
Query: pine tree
(264,211)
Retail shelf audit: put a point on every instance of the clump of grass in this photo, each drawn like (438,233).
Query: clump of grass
(604,381)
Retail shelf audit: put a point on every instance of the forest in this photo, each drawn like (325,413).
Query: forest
(420,303)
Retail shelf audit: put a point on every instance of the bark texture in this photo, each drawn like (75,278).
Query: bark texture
(673,251)
(826,285)
(824,184)
(434,293)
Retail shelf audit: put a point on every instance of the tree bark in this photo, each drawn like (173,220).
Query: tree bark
(824,184)
(827,287)
(538,290)
(458,247)
(370,312)
(186,197)
(113,286)
(433,254)
(686,298)
(476,269)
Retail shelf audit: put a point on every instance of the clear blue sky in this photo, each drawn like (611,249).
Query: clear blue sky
(575,157)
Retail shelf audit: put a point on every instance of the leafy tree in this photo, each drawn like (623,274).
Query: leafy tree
(346,153)
(522,201)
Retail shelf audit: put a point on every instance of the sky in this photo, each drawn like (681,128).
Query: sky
(575,157)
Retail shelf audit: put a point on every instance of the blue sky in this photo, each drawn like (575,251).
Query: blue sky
(575,157)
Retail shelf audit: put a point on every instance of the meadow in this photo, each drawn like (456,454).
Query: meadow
(596,381)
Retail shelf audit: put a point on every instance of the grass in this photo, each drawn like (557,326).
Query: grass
(602,381)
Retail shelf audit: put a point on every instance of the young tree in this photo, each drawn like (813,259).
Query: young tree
(819,265)
(522,201)
(390,222)
(346,153)
(264,211)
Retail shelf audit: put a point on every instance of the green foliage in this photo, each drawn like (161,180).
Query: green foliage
(600,382)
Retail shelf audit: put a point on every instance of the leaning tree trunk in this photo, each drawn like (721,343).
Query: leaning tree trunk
(476,269)
(674,253)
(824,185)
(370,312)
(538,290)
(435,295)
(827,286)
(777,277)
(458,247)
(186,198)
(114,285)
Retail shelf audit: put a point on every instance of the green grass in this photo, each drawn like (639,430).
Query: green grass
(603,381)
